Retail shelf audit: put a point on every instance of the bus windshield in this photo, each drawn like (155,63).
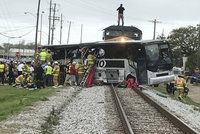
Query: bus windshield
(152,53)
(158,57)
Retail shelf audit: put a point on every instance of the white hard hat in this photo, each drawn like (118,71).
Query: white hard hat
(55,62)
(74,62)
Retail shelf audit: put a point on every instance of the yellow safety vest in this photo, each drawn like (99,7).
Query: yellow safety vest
(25,69)
(43,56)
(90,59)
(49,70)
(80,68)
(2,68)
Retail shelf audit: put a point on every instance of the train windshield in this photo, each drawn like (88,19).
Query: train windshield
(158,57)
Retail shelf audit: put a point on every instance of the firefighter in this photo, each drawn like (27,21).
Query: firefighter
(43,56)
(56,71)
(19,81)
(91,69)
(180,84)
(26,68)
(80,71)
(29,82)
(2,72)
(90,60)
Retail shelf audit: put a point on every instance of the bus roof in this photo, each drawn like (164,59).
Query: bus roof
(98,43)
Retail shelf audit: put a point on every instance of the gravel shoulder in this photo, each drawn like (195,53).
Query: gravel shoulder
(183,111)
(30,120)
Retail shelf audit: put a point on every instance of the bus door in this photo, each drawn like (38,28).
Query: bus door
(141,66)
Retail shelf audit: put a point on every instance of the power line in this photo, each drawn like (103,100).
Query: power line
(17,36)
(13,30)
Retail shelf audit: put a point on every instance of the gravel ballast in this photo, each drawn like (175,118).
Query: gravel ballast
(90,112)
(183,111)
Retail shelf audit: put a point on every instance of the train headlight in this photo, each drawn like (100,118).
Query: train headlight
(122,39)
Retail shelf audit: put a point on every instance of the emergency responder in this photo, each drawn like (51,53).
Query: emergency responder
(29,82)
(43,56)
(48,74)
(90,60)
(2,72)
(180,84)
(19,81)
(80,71)
(56,71)
(26,68)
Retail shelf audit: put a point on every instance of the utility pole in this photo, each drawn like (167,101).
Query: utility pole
(41,28)
(69,31)
(81,33)
(61,26)
(49,22)
(154,29)
(53,25)
(36,30)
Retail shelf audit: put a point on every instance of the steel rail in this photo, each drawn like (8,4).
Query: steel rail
(175,120)
(123,117)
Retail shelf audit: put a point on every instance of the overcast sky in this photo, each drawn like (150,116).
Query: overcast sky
(95,15)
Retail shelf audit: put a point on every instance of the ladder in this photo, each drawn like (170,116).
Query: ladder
(83,81)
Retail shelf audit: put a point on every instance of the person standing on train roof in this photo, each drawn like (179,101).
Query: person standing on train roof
(120,14)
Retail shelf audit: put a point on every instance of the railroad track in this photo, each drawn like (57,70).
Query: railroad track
(140,114)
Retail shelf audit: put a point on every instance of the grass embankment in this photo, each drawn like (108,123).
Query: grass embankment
(13,100)
(186,100)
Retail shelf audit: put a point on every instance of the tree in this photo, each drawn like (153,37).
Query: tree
(193,60)
(184,42)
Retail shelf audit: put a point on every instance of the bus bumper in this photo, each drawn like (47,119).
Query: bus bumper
(163,79)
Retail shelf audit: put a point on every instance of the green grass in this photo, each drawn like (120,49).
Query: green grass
(13,100)
(186,100)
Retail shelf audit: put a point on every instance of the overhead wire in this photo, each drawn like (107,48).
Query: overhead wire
(13,30)
(20,36)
